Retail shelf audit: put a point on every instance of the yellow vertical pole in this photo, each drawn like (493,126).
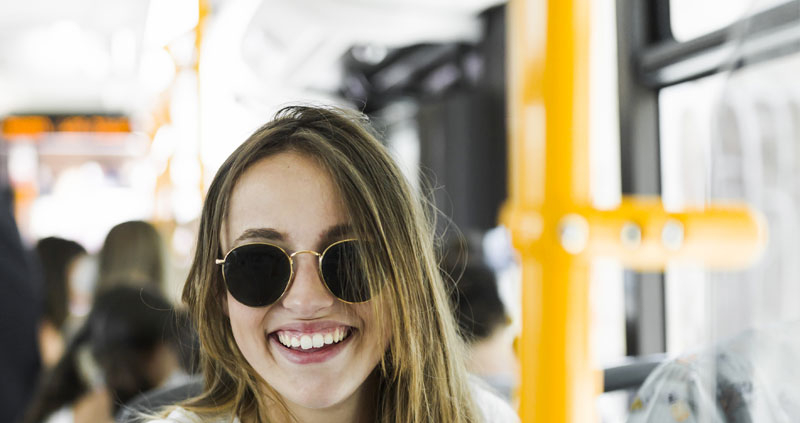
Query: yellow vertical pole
(203,12)
(549,174)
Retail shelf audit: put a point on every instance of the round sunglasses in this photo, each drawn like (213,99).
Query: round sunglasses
(258,274)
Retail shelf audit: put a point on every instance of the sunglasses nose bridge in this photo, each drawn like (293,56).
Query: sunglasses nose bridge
(306,295)
(305,252)
(292,258)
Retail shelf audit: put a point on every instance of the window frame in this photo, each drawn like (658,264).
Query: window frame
(650,58)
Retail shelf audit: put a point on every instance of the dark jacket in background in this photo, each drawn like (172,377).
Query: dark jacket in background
(19,315)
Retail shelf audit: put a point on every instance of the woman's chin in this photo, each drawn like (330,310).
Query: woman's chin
(325,396)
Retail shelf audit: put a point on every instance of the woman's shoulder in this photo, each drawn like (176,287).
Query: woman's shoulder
(493,408)
(178,415)
(182,415)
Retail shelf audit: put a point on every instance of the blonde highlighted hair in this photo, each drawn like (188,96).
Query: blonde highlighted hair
(421,376)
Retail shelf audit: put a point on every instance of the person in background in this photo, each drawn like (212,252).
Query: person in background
(482,318)
(132,254)
(20,309)
(126,346)
(57,256)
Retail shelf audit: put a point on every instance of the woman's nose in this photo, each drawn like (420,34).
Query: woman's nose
(307,295)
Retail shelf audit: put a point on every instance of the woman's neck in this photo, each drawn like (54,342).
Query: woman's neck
(358,408)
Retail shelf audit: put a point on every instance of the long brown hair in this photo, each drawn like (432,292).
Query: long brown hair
(421,376)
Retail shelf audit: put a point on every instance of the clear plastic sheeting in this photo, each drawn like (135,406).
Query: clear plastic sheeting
(750,378)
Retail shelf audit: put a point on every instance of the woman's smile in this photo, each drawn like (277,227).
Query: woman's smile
(310,348)
(310,343)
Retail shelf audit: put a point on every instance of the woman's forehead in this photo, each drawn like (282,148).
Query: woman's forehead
(287,193)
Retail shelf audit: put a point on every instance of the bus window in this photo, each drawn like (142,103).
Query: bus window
(734,137)
(693,18)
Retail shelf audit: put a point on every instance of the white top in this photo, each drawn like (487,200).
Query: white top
(493,408)
(62,415)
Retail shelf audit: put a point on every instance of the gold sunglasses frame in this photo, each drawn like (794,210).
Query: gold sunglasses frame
(319,256)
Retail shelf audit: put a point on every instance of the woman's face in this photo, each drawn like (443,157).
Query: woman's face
(289,200)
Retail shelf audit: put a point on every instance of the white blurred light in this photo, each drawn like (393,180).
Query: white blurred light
(87,212)
(225,120)
(183,108)
(163,203)
(123,51)
(186,204)
(157,70)
(63,49)
(84,207)
(604,170)
(168,19)
(22,163)
(184,172)
(163,146)
(691,18)
(183,242)
(183,50)
(141,176)
(79,180)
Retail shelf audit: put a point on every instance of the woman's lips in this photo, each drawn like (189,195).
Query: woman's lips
(311,347)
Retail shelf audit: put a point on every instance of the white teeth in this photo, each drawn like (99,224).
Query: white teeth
(315,340)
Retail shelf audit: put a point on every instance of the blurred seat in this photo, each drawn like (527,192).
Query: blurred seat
(632,373)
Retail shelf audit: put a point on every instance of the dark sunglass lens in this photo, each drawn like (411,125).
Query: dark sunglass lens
(257,274)
(341,269)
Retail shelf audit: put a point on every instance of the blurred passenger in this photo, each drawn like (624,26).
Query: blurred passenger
(132,254)
(19,317)
(56,256)
(482,319)
(125,347)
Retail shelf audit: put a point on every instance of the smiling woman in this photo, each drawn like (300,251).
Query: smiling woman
(315,289)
